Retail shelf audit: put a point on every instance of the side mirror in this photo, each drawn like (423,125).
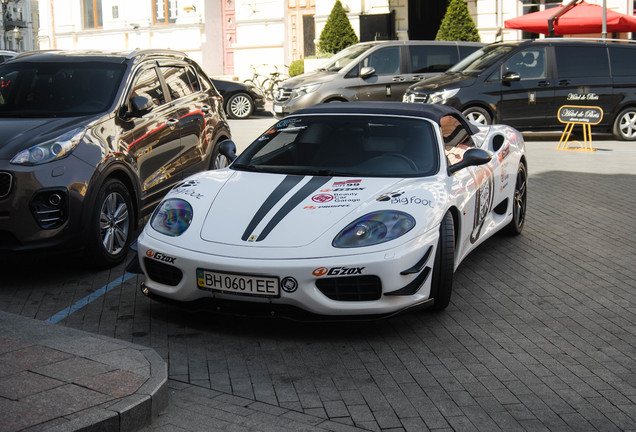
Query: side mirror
(228,149)
(139,106)
(511,76)
(472,157)
(366,72)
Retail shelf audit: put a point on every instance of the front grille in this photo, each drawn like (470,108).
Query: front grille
(283,94)
(353,288)
(162,273)
(6,181)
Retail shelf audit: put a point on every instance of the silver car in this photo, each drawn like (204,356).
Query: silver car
(370,71)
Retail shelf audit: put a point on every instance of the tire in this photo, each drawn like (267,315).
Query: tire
(478,115)
(217,160)
(625,125)
(519,202)
(111,225)
(444,267)
(240,106)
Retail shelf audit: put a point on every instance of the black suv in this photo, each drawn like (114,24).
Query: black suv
(90,142)
(523,84)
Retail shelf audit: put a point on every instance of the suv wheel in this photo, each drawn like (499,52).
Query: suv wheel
(110,232)
(217,160)
(625,125)
(477,115)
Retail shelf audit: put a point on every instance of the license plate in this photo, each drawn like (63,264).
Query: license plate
(278,109)
(231,283)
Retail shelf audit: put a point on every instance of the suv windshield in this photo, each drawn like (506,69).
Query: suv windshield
(481,59)
(343,145)
(57,89)
(344,57)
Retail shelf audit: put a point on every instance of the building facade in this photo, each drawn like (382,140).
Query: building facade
(228,37)
(18,24)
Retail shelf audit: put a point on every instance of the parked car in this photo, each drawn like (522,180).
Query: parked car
(370,71)
(357,209)
(90,142)
(6,55)
(240,100)
(523,84)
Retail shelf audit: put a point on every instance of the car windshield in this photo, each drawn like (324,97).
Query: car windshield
(481,59)
(344,57)
(57,89)
(339,145)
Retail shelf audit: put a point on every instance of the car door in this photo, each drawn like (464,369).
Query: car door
(527,100)
(195,111)
(583,79)
(387,83)
(151,137)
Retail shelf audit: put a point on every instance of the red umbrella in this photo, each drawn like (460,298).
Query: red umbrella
(575,18)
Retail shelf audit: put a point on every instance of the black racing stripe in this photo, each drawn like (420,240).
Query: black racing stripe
(304,192)
(281,190)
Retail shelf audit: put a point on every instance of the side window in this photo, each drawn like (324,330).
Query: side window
(385,60)
(456,139)
(581,61)
(529,63)
(623,61)
(194,80)
(177,80)
(426,58)
(147,84)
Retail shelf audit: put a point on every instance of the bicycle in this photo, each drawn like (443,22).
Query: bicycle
(267,83)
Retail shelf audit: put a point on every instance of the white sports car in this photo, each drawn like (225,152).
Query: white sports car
(346,210)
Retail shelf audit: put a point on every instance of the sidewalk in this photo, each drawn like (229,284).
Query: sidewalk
(57,379)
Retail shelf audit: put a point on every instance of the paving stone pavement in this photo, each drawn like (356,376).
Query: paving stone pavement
(540,334)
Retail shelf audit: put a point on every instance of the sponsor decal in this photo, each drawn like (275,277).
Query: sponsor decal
(505,151)
(398,198)
(185,188)
(289,284)
(322,198)
(337,271)
(160,257)
(348,183)
(484,196)
(252,238)
(342,189)
(582,96)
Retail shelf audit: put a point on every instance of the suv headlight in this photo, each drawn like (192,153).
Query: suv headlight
(303,90)
(441,97)
(50,150)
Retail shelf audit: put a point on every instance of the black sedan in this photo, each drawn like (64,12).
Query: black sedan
(240,100)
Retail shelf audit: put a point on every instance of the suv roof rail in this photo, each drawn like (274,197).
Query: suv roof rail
(599,39)
(150,52)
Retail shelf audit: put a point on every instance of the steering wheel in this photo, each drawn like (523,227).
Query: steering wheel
(403,158)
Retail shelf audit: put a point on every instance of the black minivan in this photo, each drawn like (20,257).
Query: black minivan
(524,83)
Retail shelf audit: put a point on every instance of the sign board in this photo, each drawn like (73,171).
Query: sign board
(586,115)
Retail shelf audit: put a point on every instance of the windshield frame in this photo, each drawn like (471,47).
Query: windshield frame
(482,59)
(348,54)
(345,153)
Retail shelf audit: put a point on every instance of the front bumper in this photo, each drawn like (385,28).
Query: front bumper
(388,281)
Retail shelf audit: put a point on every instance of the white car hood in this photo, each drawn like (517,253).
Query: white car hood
(287,211)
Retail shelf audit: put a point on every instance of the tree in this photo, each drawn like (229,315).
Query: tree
(457,24)
(337,33)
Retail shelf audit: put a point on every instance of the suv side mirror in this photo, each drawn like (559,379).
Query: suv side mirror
(366,72)
(139,105)
(228,149)
(511,76)
(472,157)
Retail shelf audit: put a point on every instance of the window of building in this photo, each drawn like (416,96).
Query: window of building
(165,11)
(530,6)
(92,11)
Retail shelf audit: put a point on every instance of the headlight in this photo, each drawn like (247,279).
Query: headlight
(408,98)
(172,217)
(442,96)
(301,91)
(374,228)
(50,150)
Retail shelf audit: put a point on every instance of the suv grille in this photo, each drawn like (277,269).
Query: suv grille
(352,288)
(283,94)
(6,180)
(162,273)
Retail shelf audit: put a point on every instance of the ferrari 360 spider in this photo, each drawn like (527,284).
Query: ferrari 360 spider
(341,210)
